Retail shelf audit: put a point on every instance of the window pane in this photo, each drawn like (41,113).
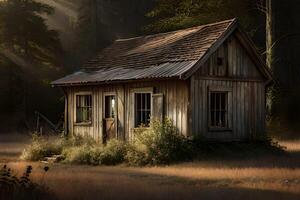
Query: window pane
(142,109)
(212,101)
(83,108)
(110,103)
(223,101)
(218,109)
(212,118)
(217,101)
(148,102)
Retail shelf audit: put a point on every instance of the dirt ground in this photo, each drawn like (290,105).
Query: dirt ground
(273,177)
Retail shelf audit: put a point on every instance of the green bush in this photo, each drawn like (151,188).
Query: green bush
(160,144)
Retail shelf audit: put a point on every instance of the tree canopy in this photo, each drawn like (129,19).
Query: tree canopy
(23,30)
(175,14)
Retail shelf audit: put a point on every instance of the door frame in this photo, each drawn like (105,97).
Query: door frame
(105,94)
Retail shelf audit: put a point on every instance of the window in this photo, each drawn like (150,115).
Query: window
(83,108)
(218,110)
(220,61)
(110,109)
(142,109)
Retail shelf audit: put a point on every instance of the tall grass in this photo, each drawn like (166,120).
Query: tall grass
(159,144)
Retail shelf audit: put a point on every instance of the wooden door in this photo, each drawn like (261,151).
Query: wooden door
(109,120)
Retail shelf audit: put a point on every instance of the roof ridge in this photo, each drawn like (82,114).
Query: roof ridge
(190,28)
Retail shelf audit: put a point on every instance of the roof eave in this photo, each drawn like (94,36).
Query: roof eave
(94,83)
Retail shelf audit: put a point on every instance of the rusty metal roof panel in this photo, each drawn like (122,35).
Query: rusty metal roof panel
(165,70)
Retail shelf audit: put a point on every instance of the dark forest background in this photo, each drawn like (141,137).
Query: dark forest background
(42,40)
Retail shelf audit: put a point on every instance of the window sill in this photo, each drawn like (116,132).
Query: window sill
(216,129)
(83,124)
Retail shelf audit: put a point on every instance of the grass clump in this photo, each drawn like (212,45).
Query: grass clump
(110,154)
(41,148)
(113,153)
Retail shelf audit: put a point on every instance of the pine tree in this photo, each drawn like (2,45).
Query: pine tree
(23,30)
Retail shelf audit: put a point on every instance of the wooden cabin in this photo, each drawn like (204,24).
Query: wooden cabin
(209,80)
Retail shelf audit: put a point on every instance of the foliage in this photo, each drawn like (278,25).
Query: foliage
(24,31)
(78,140)
(175,14)
(41,148)
(78,154)
(110,154)
(77,149)
(160,144)
(22,188)
(100,22)
(31,54)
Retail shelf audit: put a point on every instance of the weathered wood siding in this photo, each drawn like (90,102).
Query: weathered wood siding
(247,101)
(175,96)
(236,60)
(186,102)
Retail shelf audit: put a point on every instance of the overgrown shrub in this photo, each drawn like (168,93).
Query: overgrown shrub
(22,188)
(160,144)
(113,153)
(41,148)
(78,140)
(77,154)
(110,154)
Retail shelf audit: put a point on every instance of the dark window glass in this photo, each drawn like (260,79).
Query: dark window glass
(110,106)
(218,109)
(220,61)
(142,109)
(83,108)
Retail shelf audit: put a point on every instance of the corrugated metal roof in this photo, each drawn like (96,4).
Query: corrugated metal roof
(165,70)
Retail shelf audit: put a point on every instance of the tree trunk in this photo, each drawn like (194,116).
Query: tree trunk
(269,36)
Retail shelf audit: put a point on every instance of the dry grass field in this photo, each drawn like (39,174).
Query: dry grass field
(272,177)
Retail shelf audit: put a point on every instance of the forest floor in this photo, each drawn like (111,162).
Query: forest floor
(271,177)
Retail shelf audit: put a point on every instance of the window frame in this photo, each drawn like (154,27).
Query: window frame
(88,123)
(228,91)
(141,91)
